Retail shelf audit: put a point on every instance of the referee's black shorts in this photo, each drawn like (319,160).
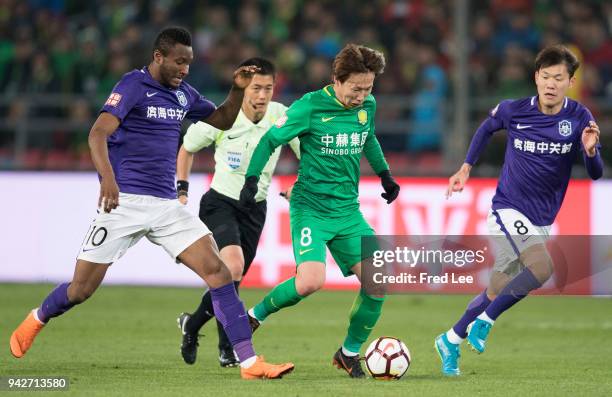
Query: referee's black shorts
(232,225)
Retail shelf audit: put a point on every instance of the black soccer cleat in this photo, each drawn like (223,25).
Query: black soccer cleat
(351,365)
(227,358)
(253,322)
(189,345)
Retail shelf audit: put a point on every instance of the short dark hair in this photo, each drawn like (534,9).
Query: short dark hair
(555,55)
(169,37)
(354,58)
(266,67)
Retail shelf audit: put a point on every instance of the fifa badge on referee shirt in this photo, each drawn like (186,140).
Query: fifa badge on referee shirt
(362,117)
(234,159)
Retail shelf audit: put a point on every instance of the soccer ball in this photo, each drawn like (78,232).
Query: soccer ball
(387,358)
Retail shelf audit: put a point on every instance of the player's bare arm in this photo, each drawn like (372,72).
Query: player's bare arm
(590,139)
(104,126)
(184,162)
(224,116)
(457,182)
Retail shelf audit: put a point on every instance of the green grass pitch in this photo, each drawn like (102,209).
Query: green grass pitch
(124,341)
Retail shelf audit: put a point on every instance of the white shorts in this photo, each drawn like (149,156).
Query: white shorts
(164,222)
(513,233)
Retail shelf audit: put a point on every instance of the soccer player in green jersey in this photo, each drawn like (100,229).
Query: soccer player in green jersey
(334,126)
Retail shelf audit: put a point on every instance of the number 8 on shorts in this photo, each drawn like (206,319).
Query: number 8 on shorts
(305,237)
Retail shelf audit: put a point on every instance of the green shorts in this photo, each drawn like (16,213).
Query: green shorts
(310,233)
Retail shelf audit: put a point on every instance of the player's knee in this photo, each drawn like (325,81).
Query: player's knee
(236,269)
(233,258)
(79,292)
(236,274)
(540,263)
(214,266)
(497,282)
(218,269)
(494,289)
(309,285)
(210,264)
(217,275)
(308,288)
(542,269)
(309,278)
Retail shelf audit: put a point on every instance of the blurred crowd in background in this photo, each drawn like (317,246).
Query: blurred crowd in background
(59,60)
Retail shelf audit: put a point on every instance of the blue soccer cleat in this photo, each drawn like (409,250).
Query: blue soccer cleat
(477,337)
(449,354)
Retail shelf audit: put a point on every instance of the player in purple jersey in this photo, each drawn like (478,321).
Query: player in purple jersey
(133,144)
(545,134)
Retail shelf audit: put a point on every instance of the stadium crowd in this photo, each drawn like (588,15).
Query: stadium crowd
(82,48)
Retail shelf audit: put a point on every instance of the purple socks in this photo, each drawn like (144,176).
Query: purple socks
(518,288)
(230,311)
(55,304)
(475,307)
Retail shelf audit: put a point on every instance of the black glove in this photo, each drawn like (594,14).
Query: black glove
(248,192)
(391,187)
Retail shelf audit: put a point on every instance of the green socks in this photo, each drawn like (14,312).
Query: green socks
(364,315)
(283,295)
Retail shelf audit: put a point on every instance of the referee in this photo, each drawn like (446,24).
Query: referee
(235,230)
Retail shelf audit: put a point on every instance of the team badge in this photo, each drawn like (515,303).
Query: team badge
(362,117)
(565,128)
(234,159)
(180,95)
(113,99)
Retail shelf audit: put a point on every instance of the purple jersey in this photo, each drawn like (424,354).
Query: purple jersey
(540,151)
(143,149)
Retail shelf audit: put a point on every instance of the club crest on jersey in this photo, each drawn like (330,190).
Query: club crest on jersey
(362,117)
(180,95)
(565,128)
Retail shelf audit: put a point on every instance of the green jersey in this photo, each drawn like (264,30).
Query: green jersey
(332,138)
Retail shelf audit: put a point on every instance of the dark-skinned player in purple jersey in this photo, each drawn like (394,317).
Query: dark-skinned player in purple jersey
(133,144)
(546,133)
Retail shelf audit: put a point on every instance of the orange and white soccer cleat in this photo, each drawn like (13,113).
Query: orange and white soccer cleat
(263,370)
(23,337)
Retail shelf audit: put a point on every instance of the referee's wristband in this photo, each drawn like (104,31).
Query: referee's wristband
(182,186)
